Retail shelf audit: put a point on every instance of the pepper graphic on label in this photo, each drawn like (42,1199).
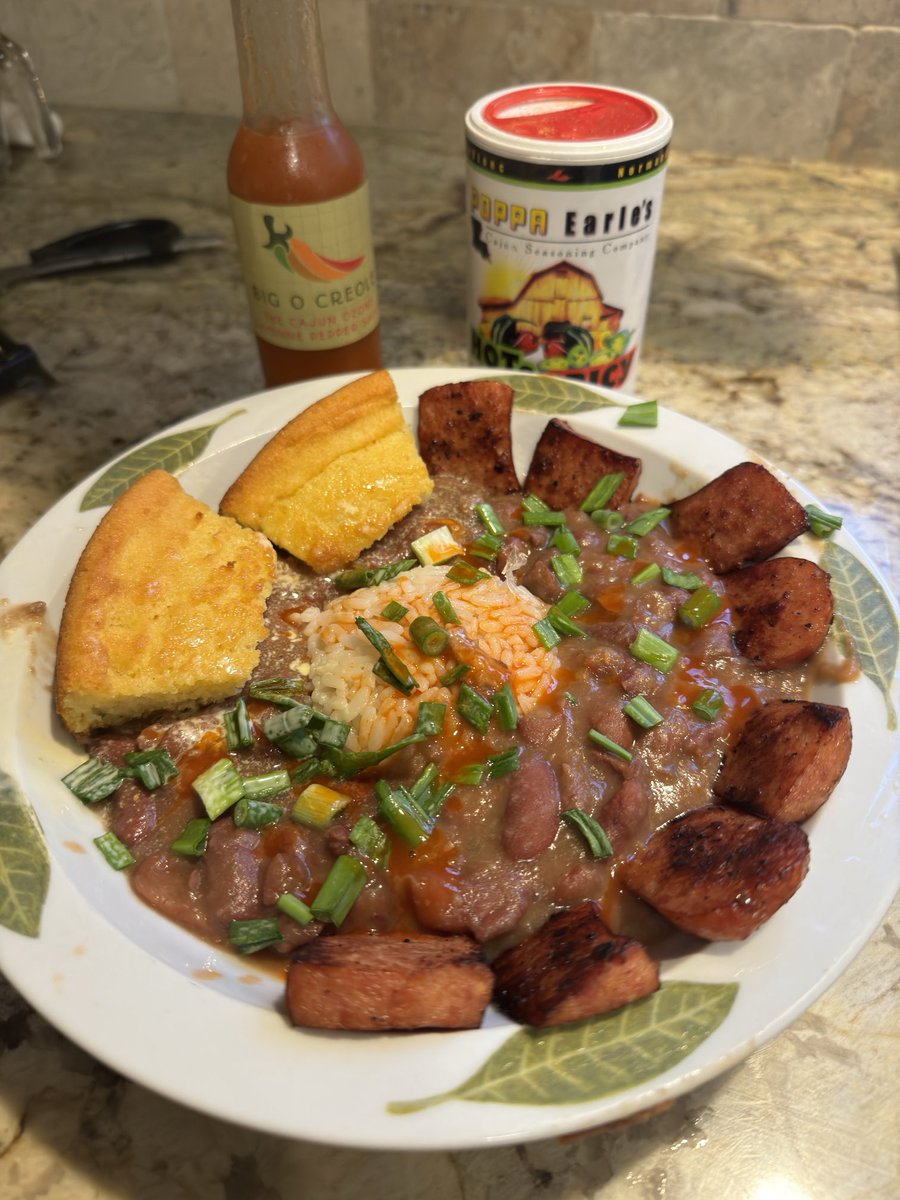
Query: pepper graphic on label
(558,322)
(301,259)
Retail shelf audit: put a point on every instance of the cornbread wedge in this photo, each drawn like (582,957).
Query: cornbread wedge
(165,609)
(335,478)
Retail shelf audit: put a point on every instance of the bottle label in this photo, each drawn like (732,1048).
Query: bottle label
(309,270)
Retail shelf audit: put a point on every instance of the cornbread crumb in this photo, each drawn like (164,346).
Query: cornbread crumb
(164,612)
(335,479)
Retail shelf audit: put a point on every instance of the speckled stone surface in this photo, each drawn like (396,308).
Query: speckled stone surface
(773,317)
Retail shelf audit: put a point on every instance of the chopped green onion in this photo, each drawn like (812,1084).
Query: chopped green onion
(649,648)
(238,730)
(572,699)
(533,504)
(504,703)
(434,801)
(279,690)
(151,767)
(371,840)
(250,813)
(424,783)
(430,797)
(385,676)
(430,717)
(822,523)
(566,541)
(644,414)
(546,634)
(292,906)
(116,854)
(563,623)
(192,839)
(266,785)
(592,832)
(489,519)
(470,775)
(608,519)
(347,763)
(473,707)
(445,609)
(708,704)
(429,636)
(392,662)
(466,575)
(219,786)
(488,546)
(572,604)
(503,763)
(543,516)
(93,780)
(642,711)
(621,545)
(700,609)
(404,813)
(567,569)
(339,892)
(288,730)
(606,743)
(602,492)
(689,580)
(436,546)
(651,571)
(249,937)
(394,611)
(333,733)
(647,521)
(357,577)
(304,772)
(318,805)
(454,674)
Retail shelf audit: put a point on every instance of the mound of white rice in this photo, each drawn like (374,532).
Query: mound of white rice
(494,615)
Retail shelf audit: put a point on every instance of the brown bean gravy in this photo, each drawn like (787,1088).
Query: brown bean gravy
(500,858)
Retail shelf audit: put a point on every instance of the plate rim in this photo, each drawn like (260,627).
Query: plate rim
(557,1119)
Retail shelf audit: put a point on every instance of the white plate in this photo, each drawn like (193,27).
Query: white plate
(208,1029)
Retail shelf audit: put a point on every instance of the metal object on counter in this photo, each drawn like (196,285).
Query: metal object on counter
(115,244)
(18,364)
(147,239)
(22,93)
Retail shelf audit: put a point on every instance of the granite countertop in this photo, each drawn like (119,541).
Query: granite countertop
(773,317)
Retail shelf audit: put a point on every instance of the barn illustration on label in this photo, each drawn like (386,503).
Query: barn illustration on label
(558,322)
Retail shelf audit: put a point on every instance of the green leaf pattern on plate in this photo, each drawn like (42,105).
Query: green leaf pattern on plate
(171,453)
(571,1064)
(550,394)
(866,612)
(24,862)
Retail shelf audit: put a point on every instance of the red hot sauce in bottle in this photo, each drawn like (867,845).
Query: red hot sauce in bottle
(300,203)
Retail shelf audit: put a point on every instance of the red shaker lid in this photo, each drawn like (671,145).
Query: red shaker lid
(569,121)
(563,112)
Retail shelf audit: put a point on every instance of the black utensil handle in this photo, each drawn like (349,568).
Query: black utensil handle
(116,241)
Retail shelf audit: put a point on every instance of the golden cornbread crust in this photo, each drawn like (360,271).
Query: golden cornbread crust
(165,610)
(335,478)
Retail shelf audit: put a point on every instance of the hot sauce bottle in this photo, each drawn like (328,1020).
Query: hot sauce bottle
(300,202)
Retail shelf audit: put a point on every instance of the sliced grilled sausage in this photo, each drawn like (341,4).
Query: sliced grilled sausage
(571,968)
(465,429)
(388,981)
(742,517)
(719,873)
(531,819)
(788,759)
(781,610)
(565,466)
